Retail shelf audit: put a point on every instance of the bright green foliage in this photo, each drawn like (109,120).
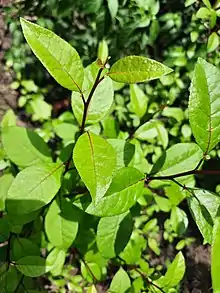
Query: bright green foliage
(120,283)
(179,158)
(152,129)
(124,191)
(174,273)
(133,69)
(59,58)
(139,100)
(61,223)
(204,105)
(215,256)
(95,161)
(113,234)
(42,182)
(102,99)
(56,260)
(213,42)
(123,156)
(29,149)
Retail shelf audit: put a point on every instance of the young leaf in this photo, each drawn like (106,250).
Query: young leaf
(204,110)
(33,188)
(213,42)
(102,98)
(9,119)
(113,233)
(139,100)
(174,273)
(32,266)
(178,158)
(56,260)
(95,160)
(215,256)
(133,69)
(120,283)
(60,59)
(61,223)
(124,191)
(24,147)
(103,51)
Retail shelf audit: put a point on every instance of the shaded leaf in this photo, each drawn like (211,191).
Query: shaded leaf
(113,233)
(61,223)
(32,266)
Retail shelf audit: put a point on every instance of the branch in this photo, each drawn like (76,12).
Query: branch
(86,104)
(187,173)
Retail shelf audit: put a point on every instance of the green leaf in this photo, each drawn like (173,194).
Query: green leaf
(113,233)
(56,260)
(92,289)
(103,51)
(61,223)
(133,69)
(215,256)
(24,147)
(9,280)
(207,3)
(89,270)
(22,247)
(124,152)
(204,107)
(9,119)
(5,183)
(203,13)
(124,191)
(60,59)
(189,2)
(101,101)
(120,283)
(152,129)
(95,160)
(179,220)
(32,266)
(139,100)
(33,188)
(113,7)
(179,158)
(174,273)
(213,42)
(202,214)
